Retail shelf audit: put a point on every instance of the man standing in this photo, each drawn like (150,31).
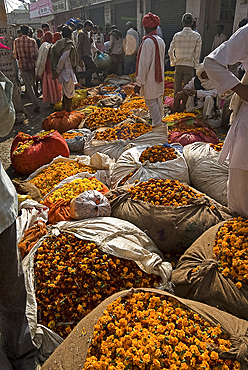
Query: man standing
(235,146)
(184,53)
(219,38)
(150,68)
(131,46)
(84,51)
(26,52)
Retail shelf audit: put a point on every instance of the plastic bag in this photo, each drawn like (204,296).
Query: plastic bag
(7,110)
(102,60)
(90,204)
(76,144)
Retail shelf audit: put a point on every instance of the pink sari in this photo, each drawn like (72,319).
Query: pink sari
(52,90)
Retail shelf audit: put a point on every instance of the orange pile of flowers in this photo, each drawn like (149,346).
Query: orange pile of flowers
(135,103)
(149,331)
(70,135)
(178,116)
(231,250)
(73,276)
(124,131)
(158,153)
(46,180)
(168,92)
(163,192)
(217,147)
(106,117)
(90,100)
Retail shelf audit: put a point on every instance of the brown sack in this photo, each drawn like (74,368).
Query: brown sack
(72,353)
(172,229)
(25,187)
(207,284)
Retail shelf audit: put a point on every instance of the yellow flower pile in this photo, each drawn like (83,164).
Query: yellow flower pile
(73,276)
(168,92)
(148,331)
(46,180)
(72,189)
(163,192)
(135,103)
(158,153)
(178,116)
(124,131)
(231,250)
(70,135)
(106,117)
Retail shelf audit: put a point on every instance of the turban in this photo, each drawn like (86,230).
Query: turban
(48,37)
(56,37)
(151,20)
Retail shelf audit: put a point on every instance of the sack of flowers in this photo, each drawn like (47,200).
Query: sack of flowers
(76,138)
(173,214)
(59,199)
(49,176)
(206,173)
(157,162)
(132,132)
(31,152)
(63,121)
(214,269)
(79,264)
(151,329)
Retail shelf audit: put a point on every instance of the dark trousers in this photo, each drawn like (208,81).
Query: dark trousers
(15,341)
(90,67)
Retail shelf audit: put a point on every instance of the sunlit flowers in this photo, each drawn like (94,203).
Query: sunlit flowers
(124,131)
(158,153)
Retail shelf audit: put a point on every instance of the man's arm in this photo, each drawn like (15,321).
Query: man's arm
(16,56)
(146,56)
(80,45)
(197,52)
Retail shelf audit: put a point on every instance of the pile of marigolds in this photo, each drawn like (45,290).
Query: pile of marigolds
(72,189)
(46,180)
(135,103)
(230,248)
(158,153)
(106,117)
(91,100)
(178,117)
(23,145)
(124,131)
(163,192)
(73,277)
(71,135)
(147,331)
(217,147)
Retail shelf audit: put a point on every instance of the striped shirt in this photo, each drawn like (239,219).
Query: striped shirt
(26,52)
(185,48)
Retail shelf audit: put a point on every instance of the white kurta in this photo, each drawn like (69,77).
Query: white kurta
(66,77)
(230,52)
(150,89)
(235,146)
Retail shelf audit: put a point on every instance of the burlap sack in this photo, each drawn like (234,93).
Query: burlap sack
(207,284)
(72,353)
(172,229)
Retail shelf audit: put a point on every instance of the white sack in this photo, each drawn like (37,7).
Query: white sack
(31,211)
(158,136)
(128,162)
(206,173)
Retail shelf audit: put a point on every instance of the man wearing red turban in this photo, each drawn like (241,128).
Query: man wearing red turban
(150,68)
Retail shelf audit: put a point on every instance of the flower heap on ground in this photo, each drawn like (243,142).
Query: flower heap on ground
(158,153)
(90,100)
(178,116)
(231,250)
(124,131)
(22,146)
(148,331)
(106,117)
(163,192)
(72,189)
(46,180)
(73,276)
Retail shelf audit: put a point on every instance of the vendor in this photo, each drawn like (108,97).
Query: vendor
(198,93)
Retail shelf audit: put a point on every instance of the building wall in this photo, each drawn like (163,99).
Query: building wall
(241,12)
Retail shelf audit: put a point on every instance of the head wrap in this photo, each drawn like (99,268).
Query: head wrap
(56,37)
(150,20)
(206,84)
(48,37)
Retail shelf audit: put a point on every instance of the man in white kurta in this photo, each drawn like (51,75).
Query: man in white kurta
(146,83)
(235,147)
